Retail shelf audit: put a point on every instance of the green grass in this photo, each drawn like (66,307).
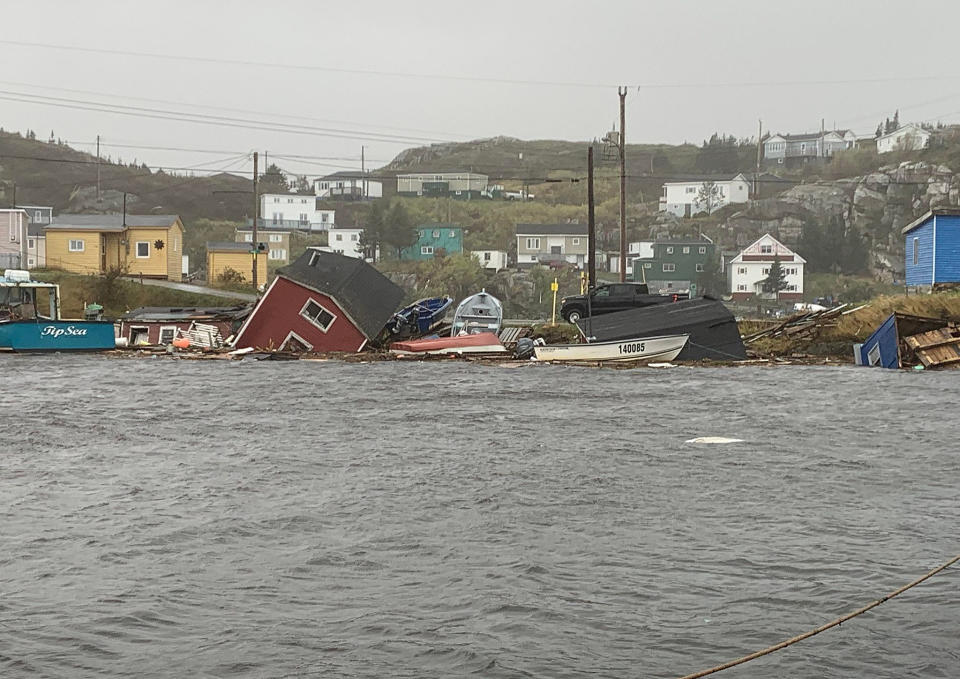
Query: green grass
(118,296)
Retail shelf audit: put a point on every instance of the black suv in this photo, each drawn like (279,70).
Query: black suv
(605,299)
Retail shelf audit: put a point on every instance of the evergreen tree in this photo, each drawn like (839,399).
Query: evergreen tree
(372,236)
(398,231)
(273,180)
(776,280)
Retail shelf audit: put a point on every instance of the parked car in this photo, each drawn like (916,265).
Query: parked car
(608,298)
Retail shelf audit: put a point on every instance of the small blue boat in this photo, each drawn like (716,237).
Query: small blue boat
(421,317)
(23,328)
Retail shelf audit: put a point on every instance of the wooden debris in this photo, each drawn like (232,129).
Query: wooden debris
(801,325)
(937,348)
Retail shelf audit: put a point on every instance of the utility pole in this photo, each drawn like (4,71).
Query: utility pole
(591,226)
(99,199)
(756,176)
(256,218)
(622,91)
(363,173)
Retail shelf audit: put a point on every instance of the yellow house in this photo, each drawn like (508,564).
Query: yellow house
(139,245)
(237,257)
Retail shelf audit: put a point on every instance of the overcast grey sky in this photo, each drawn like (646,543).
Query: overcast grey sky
(391,75)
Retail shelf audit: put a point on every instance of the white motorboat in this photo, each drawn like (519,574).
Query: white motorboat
(665,348)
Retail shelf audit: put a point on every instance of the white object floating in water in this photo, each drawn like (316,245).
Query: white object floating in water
(714,439)
(661,365)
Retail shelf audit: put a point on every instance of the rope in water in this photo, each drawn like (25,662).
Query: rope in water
(833,623)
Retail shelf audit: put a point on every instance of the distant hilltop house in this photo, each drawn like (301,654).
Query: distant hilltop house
(276,240)
(432,239)
(295,211)
(146,245)
(703,194)
(908,137)
(463,185)
(674,266)
(795,149)
(932,249)
(344,242)
(551,244)
(749,269)
(347,185)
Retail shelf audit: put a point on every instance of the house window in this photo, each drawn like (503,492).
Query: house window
(766,271)
(30,244)
(353,236)
(436,234)
(703,250)
(30,261)
(686,249)
(143,249)
(37,215)
(486,256)
(699,268)
(766,249)
(304,218)
(289,200)
(691,189)
(176,243)
(277,254)
(647,265)
(248,237)
(167,333)
(453,234)
(426,250)
(916,251)
(741,288)
(75,246)
(316,314)
(294,342)
(669,266)
(742,269)
(670,250)
(339,236)
(533,244)
(324,218)
(276,238)
(277,217)
(576,241)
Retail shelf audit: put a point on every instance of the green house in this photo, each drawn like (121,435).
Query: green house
(675,265)
(433,239)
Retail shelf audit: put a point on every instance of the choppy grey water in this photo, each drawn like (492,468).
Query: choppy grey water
(253,519)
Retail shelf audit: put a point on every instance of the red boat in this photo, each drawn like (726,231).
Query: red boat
(462,344)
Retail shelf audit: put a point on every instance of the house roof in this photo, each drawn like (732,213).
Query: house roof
(439,225)
(936,212)
(739,258)
(699,179)
(111,222)
(905,128)
(347,174)
(158,314)
(552,229)
(368,297)
(228,246)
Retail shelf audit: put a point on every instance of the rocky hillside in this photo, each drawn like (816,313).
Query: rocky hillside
(877,205)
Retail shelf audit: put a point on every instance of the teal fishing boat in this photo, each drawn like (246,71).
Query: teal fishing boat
(24,328)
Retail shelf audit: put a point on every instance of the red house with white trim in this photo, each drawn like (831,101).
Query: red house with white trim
(321,302)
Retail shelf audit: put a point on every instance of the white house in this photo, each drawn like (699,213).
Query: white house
(347,186)
(294,211)
(784,148)
(344,242)
(909,137)
(750,268)
(636,249)
(688,198)
(491,259)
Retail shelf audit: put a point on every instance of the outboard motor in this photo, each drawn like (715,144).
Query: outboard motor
(524,348)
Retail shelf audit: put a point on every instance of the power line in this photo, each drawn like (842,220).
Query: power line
(478,79)
(223,121)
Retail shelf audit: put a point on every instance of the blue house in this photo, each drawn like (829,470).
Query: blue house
(932,249)
(432,239)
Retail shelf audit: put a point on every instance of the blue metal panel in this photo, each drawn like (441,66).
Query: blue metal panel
(920,273)
(881,348)
(57,335)
(948,248)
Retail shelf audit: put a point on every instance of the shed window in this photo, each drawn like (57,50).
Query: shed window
(75,245)
(315,313)
(143,249)
(167,333)
(916,251)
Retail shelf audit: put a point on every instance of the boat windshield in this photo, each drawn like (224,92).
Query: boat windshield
(18,304)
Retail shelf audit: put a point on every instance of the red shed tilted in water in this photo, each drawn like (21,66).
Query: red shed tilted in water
(321,302)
